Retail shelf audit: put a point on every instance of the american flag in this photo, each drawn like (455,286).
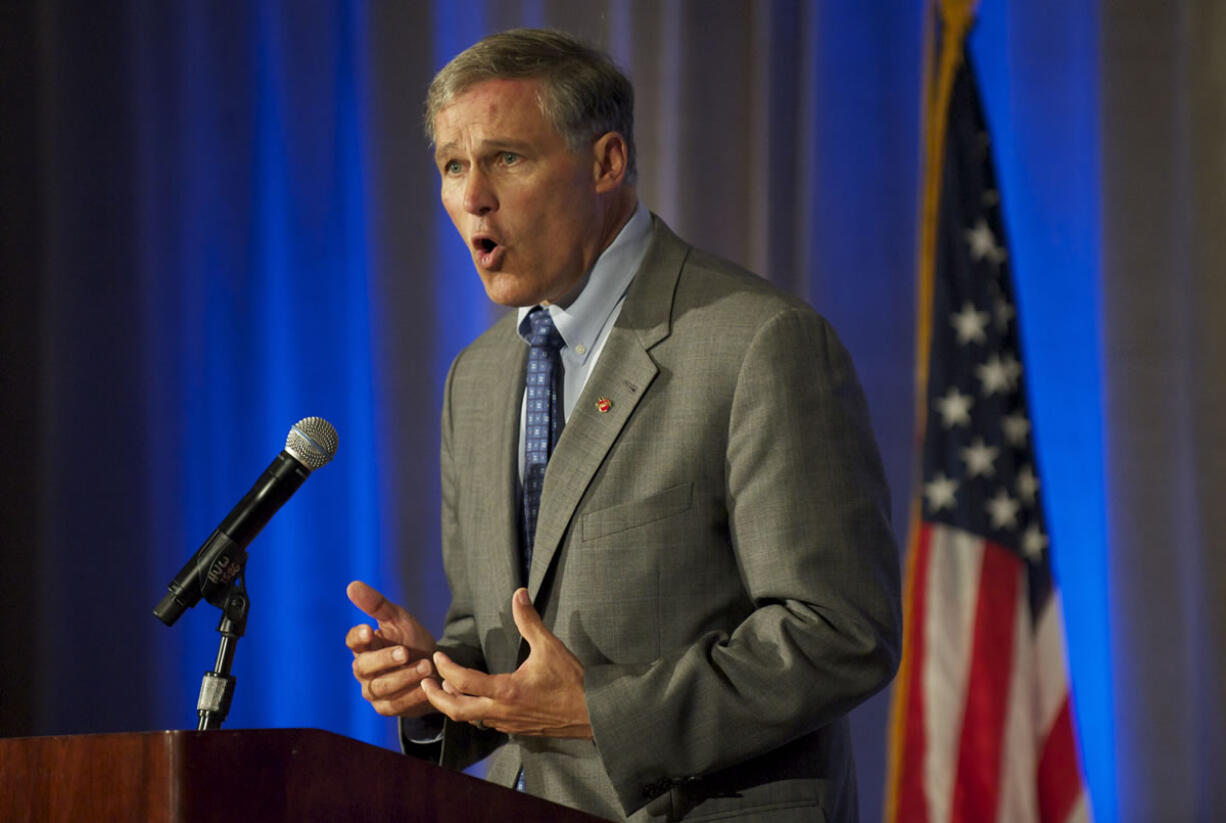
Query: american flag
(982,727)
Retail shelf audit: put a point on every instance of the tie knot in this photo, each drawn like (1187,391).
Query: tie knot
(541,331)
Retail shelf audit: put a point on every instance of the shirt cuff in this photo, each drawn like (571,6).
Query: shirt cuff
(422,731)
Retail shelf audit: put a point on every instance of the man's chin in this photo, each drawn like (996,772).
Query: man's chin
(507,289)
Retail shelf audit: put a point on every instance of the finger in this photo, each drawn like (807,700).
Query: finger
(389,685)
(464,680)
(459,707)
(372,602)
(406,703)
(363,638)
(372,663)
(527,620)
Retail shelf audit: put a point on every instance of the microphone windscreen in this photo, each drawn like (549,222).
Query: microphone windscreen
(312,442)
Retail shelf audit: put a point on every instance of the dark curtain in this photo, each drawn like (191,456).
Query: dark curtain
(219,217)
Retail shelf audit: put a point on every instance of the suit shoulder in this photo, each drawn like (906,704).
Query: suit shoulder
(712,289)
(681,288)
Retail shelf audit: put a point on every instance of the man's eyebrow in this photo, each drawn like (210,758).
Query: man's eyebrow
(506,143)
(487,145)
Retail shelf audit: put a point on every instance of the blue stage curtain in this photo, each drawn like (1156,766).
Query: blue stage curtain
(207,283)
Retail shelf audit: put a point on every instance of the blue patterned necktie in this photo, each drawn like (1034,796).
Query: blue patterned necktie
(543,422)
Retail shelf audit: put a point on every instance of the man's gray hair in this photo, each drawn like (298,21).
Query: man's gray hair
(584,93)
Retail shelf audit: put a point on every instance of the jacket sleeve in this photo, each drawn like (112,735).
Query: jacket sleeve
(808,521)
(461,744)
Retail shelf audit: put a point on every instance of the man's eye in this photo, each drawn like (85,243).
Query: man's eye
(509,158)
(451,167)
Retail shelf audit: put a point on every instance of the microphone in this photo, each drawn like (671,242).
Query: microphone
(311,443)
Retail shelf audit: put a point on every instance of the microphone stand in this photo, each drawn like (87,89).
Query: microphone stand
(217,687)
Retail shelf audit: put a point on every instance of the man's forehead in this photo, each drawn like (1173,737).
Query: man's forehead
(494,103)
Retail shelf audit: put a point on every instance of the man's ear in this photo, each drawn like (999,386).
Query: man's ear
(609,162)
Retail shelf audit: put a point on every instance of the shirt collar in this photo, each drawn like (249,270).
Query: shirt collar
(580,323)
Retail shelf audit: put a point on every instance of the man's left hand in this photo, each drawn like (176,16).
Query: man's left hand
(543,697)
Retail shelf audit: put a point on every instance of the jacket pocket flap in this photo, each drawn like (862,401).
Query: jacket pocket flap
(634,513)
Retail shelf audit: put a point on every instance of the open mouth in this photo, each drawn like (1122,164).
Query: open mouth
(487,251)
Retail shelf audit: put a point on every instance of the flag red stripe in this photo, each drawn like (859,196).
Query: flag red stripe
(977,789)
(1059,778)
(912,803)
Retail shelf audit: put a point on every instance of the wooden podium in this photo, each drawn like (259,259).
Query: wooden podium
(254,776)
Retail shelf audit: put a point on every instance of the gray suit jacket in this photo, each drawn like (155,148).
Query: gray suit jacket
(715,548)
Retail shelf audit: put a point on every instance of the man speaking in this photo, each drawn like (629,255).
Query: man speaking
(665,524)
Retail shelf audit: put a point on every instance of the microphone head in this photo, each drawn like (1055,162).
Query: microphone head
(312,442)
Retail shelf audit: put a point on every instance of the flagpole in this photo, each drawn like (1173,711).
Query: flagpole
(956,18)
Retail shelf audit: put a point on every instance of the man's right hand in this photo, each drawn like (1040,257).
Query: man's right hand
(390,661)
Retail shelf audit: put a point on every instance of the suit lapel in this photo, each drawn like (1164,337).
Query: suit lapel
(622,376)
(504,376)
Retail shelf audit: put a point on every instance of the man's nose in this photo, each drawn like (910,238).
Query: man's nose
(479,197)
